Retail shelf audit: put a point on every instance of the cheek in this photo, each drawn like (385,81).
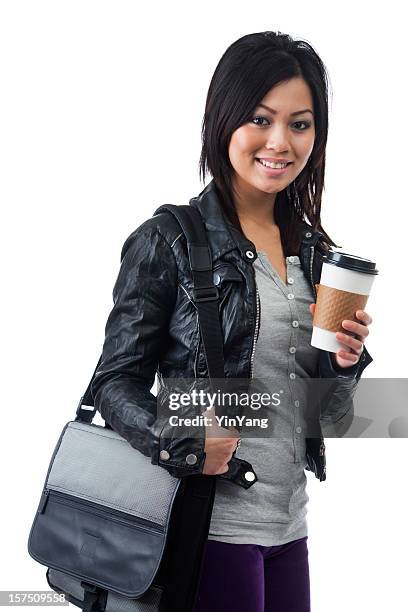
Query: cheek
(310,143)
(242,143)
(304,149)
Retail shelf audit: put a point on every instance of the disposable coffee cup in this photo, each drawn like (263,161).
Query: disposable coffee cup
(345,284)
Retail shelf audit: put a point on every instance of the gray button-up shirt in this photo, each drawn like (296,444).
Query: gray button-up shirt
(273,511)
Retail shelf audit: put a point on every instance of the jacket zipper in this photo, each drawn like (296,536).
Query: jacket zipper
(255,331)
(311,272)
(197,349)
(98,510)
(322,445)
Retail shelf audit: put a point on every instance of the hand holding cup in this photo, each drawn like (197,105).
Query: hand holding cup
(354,340)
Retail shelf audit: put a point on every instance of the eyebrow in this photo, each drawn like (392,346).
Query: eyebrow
(271,110)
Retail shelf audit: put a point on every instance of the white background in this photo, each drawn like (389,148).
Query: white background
(101,106)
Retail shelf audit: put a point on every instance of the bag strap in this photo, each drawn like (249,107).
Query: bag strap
(194,516)
(205,293)
(205,296)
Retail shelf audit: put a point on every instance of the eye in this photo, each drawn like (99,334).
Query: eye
(306,124)
(258,117)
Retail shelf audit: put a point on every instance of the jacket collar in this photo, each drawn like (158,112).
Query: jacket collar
(224,236)
(220,228)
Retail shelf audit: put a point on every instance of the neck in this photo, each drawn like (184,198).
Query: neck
(254,206)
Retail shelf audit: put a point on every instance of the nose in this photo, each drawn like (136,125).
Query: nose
(277,139)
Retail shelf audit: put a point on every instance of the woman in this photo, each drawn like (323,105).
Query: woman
(266,105)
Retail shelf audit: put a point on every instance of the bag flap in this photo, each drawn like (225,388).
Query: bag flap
(98,464)
(105,511)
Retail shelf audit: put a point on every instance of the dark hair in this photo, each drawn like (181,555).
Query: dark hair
(248,69)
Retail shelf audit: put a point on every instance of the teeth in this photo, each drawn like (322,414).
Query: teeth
(272,164)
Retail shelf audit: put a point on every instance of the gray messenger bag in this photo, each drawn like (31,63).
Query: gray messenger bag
(116,532)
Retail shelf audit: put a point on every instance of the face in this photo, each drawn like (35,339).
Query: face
(285,134)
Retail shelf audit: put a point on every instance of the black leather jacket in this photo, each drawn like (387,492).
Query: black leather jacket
(153,328)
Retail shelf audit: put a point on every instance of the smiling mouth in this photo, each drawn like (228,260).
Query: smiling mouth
(273,172)
(271,167)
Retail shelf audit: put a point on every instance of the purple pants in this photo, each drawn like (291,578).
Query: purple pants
(253,578)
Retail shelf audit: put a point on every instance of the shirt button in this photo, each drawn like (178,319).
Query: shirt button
(249,476)
(290,296)
(292,375)
(164,455)
(298,429)
(295,323)
(291,258)
(191,459)
(217,279)
(292,349)
(297,403)
(290,280)
(249,254)
(308,234)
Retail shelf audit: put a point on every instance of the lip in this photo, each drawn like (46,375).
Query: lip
(272,171)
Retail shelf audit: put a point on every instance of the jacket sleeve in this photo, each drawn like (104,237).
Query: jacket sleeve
(136,331)
(337,405)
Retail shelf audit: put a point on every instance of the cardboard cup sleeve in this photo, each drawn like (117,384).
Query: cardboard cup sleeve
(333,306)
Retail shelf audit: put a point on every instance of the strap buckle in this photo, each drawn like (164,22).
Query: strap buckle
(84,413)
(91,597)
(95,598)
(205,294)
(88,586)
